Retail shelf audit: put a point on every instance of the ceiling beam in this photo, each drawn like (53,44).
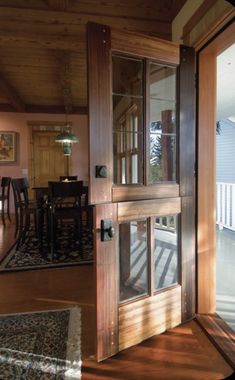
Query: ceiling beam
(11,94)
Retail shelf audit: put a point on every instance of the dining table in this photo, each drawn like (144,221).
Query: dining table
(42,196)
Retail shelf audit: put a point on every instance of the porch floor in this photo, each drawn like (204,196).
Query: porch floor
(225,276)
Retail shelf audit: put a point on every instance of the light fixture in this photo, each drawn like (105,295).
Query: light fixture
(67,138)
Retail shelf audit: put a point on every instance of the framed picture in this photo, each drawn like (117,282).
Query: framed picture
(7,147)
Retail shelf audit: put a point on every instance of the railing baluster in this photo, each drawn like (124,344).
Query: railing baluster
(225,205)
(218,208)
(233,206)
(228,202)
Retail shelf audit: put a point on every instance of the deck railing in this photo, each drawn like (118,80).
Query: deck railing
(167,223)
(225,205)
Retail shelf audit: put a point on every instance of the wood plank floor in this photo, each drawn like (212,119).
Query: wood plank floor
(183,353)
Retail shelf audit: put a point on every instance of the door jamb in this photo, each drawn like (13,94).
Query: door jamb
(206,245)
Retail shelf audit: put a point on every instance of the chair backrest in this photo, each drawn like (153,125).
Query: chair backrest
(85,196)
(68,178)
(65,190)
(20,190)
(5,184)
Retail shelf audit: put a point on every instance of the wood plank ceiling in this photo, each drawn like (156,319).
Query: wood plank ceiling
(43,47)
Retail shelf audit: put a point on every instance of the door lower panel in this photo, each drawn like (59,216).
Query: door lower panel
(150,316)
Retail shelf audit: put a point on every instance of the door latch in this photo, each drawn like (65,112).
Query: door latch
(107,230)
(101,171)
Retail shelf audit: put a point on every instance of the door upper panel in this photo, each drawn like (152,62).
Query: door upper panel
(120,110)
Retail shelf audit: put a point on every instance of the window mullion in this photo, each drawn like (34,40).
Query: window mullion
(151,256)
(146,121)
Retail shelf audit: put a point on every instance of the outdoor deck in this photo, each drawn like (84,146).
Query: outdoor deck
(225,276)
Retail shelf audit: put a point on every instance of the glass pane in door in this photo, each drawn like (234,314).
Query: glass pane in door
(133,259)
(165,254)
(162,128)
(128,120)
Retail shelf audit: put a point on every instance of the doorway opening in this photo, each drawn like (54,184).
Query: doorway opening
(206,210)
(225,187)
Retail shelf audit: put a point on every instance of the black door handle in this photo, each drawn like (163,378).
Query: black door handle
(107,230)
(111,232)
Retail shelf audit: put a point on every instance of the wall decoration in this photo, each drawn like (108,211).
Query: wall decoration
(7,147)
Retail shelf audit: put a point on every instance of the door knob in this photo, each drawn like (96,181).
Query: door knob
(107,230)
(111,232)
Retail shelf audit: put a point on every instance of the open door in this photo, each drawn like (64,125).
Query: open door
(142,158)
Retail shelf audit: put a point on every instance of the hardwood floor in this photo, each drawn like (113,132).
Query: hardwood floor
(183,353)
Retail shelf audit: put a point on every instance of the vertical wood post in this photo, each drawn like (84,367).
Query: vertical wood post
(106,277)
(187,145)
(100,119)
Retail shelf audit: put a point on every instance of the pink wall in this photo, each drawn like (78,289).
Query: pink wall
(17,122)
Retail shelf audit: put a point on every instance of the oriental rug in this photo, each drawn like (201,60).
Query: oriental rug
(31,255)
(41,345)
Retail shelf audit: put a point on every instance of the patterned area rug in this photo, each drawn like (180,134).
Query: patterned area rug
(45,346)
(69,252)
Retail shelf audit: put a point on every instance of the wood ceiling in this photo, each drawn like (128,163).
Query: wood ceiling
(43,47)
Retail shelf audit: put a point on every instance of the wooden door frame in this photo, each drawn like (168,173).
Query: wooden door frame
(216,328)
(206,209)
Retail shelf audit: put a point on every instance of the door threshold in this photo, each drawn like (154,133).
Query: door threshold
(221,335)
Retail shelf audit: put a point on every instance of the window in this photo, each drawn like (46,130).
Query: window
(149,248)
(131,117)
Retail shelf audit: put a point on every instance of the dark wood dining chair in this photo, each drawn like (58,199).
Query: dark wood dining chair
(86,209)
(5,197)
(68,178)
(64,205)
(24,210)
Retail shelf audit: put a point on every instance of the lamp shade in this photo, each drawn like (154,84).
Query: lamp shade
(66,137)
(67,148)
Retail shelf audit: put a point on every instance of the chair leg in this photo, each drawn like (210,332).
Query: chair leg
(3,211)
(52,236)
(8,210)
(39,227)
(78,232)
(16,222)
(26,227)
(20,228)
